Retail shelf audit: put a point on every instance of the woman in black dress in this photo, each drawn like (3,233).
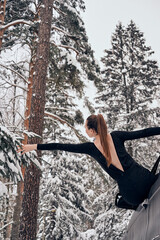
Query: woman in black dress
(134,181)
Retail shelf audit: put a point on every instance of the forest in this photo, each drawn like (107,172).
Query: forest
(50,81)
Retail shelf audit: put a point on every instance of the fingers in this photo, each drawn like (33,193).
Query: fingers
(21,149)
(26,148)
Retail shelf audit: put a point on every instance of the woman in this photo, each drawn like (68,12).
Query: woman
(134,181)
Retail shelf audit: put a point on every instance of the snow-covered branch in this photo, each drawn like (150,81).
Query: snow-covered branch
(68,35)
(65,46)
(58,108)
(20,21)
(59,11)
(15,72)
(63,122)
(9,183)
(6,225)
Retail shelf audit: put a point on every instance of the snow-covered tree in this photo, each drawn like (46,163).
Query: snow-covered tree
(68,78)
(128,97)
(10,173)
(10,161)
(131,80)
(64,211)
(110,222)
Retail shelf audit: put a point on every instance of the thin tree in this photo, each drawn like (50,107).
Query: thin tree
(2,15)
(28,227)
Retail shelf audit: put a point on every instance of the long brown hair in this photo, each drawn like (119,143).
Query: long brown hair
(98,123)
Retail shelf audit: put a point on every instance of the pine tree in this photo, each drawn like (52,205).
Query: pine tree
(10,173)
(64,199)
(31,184)
(14,12)
(128,97)
(65,87)
(110,222)
(76,38)
(131,79)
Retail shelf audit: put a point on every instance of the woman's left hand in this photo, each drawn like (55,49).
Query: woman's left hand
(26,148)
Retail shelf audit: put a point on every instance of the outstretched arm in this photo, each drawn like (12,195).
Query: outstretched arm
(147,132)
(77,148)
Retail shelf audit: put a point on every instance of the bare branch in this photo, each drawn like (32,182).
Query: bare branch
(16,97)
(7,105)
(15,72)
(4,27)
(15,85)
(1,85)
(65,46)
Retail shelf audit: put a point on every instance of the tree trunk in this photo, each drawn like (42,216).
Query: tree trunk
(28,228)
(2,15)
(20,185)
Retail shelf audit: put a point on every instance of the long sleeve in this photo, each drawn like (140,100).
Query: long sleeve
(147,132)
(76,148)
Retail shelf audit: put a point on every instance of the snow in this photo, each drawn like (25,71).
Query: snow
(15,55)
(3,189)
(88,234)
(31,134)
(2,157)
(90,91)
(70,8)
(56,181)
(90,193)
(141,87)
(20,21)
(71,60)
(2,169)
(10,154)
(4,129)
(58,213)
(155,103)
(36,162)
(12,167)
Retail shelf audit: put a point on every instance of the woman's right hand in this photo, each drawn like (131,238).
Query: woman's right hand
(27,148)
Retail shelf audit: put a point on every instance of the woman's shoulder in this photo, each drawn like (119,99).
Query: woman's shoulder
(115,132)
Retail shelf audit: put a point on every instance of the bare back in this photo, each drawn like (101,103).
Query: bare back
(114,157)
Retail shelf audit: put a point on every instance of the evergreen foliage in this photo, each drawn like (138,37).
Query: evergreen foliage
(65,202)
(131,80)
(77,197)
(20,33)
(128,97)
(66,82)
(10,160)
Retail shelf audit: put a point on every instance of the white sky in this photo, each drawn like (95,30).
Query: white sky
(102,16)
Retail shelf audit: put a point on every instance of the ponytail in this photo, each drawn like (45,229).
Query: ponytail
(98,123)
(102,131)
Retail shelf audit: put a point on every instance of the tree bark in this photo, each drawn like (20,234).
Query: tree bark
(20,185)
(2,15)
(28,227)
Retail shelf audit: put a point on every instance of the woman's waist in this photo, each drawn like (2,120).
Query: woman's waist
(137,173)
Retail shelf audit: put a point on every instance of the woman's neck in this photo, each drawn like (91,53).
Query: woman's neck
(96,138)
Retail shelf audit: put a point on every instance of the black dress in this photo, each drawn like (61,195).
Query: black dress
(135,182)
